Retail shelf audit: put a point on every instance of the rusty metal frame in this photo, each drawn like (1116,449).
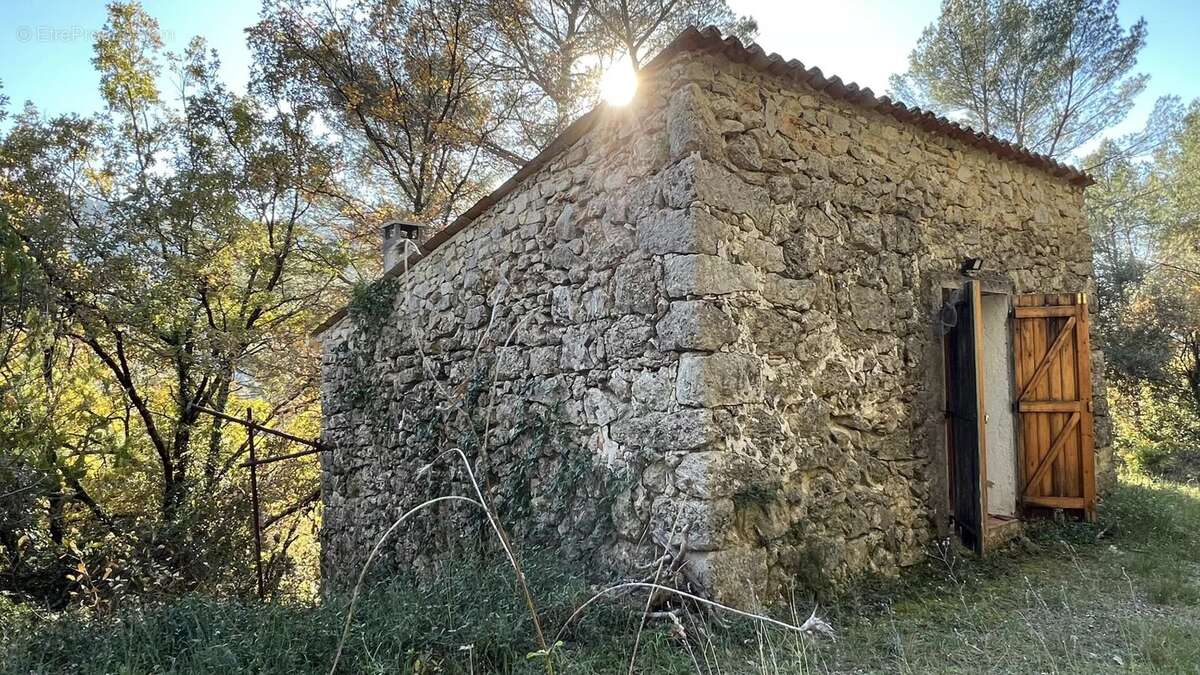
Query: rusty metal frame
(252,427)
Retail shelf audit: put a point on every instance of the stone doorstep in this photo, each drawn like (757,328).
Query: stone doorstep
(1001,530)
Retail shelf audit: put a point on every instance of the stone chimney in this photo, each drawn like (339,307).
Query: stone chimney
(395,233)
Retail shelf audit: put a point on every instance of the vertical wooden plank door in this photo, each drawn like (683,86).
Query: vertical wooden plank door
(1054,402)
(966,409)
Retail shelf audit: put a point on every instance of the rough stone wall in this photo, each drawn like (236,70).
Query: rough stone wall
(720,304)
(555,301)
(828,232)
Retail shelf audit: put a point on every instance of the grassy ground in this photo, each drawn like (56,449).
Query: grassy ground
(1123,595)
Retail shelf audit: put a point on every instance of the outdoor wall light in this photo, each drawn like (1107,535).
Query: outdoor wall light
(971,265)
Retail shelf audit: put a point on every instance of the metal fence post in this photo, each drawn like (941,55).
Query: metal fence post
(254,502)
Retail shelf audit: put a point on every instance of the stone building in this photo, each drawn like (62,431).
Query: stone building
(804,328)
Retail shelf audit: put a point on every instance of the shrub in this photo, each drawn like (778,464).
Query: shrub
(15,617)
(1157,434)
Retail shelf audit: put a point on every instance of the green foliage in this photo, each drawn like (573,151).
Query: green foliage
(1045,74)
(128,52)
(1148,309)
(469,613)
(1157,434)
(163,255)
(371,305)
(15,618)
(174,251)
(404,85)
(433,98)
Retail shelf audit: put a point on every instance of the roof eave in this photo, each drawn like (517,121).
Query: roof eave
(711,40)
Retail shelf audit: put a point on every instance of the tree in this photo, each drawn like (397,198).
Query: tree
(551,53)
(1135,230)
(172,252)
(1050,75)
(640,28)
(1142,215)
(405,88)
(438,99)
(179,251)
(1122,209)
(547,54)
(1171,298)
(1180,177)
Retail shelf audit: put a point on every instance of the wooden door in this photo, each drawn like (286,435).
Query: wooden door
(1054,403)
(966,409)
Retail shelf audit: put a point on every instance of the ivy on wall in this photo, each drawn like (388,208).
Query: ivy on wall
(535,467)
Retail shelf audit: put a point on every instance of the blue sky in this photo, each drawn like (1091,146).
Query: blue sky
(865,41)
(46,45)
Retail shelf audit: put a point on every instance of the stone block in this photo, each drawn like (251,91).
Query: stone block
(708,525)
(636,287)
(712,380)
(686,275)
(565,255)
(567,226)
(548,391)
(597,303)
(744,153)
(564,305)
(691,126)
(577,353)
(695,325)
(772,331)
(719,188)
(789,293)
(679,430)
(871,308)
(543,360)
(628,338)
(599,407)
(701,475)
(734,576)
(678,189)
(512,363)
(654,389)
(679,231)
(766,256)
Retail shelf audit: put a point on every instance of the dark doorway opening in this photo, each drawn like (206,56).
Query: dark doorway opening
(966,432)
